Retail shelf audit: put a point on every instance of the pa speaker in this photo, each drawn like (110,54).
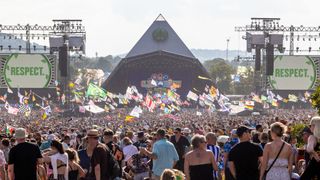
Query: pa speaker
(63,61)
(258,59)
(270,58)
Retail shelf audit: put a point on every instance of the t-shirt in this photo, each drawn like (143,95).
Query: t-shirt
(181,145)
(245,156)
(24,158)
(100,156)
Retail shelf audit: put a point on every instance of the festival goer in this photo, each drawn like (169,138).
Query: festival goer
(3,163)
(75,170)
(255,137)
(199,163)
(212,146)
(245,156)
(129,149)
(182,145)
(5,147)
(99,159)
(141,141)
(23,158)
(226,150)
(66,142)
(264,137)
(164,154)
(313,148)
(85,157)
(58,161)
(278,167)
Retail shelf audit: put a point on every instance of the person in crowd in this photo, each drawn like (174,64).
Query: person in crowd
(46,144)
(113,147)
(257,133)
(279,167)
(168,174)
(245,156)
(141,141)
(38,138)
(212,146)
(182,145)
(164,154)
(264,139)
(187,133)
(313,149)
(66,142)
(129,149)
(3,163)
(199,163)
(226,150)
(99,158)
(138,167)
(305,133)
(85,156)
(58,161)
(23,158)
(75,170)
(5,147)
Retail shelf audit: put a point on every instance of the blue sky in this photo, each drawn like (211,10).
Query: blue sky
(114,26)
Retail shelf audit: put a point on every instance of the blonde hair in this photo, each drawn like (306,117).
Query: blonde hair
(316,122)
(168,174)
(278,128)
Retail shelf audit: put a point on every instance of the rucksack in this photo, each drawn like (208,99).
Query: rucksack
(114,171)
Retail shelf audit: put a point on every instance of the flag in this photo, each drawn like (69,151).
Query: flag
(213,91)
(9,129)
(136,111)
(249,105)
(44,116)
(153,82)
(48,110)
(256,98)
(275,103)
(129,119)
(3,98)
(21,97)
(94,109)
(293,98)
(193,96)
(13,110)
(204,78)
(307,95)
(6,105)
(95,91)
(285,100)
(263,98)
(199,113)
(33,98)
(24,108)
(279,97)
(82,109)
(9,90)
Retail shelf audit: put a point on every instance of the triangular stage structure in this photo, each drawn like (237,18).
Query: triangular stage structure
(160,37)
(158,60)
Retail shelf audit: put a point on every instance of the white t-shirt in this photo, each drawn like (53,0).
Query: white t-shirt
(129,151)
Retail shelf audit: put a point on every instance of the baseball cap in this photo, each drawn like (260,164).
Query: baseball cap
(306,130)
(242,129)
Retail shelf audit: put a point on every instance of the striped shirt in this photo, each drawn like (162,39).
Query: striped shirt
(216,153)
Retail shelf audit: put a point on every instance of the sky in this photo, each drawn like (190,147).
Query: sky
(114,26)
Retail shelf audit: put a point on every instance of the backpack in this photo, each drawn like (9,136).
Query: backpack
(114,171)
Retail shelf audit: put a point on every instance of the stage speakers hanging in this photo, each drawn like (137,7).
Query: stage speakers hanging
(270,59)
(63,60)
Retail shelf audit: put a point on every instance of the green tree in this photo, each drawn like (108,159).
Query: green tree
(220,71)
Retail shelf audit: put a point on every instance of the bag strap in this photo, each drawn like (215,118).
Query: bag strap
(275,158)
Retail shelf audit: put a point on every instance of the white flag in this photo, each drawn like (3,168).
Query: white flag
(9,90)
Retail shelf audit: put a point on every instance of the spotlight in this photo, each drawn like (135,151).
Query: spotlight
(34,48)
(20,47)
(297,49)
(9,48)
(309,49)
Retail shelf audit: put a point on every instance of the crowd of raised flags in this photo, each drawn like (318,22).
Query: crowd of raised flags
(167,101)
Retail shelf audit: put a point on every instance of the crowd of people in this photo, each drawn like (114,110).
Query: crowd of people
(182,146)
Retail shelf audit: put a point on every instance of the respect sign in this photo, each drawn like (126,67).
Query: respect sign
(27,71)
(293,73)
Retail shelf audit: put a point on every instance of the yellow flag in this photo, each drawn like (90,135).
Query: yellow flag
(129,119)
(33,98)
(44,116)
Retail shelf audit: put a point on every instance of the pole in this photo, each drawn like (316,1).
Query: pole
(227,53)
(291,52)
